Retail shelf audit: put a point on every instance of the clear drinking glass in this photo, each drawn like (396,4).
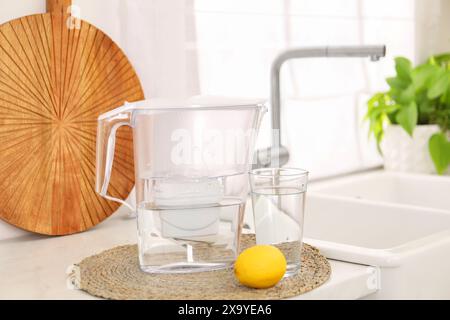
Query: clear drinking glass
(278,199)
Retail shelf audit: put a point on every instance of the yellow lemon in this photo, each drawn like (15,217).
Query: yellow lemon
(260,266)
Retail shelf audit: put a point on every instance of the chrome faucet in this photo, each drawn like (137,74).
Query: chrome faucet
(278,155)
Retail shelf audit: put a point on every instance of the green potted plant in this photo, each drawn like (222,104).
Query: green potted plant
(411,121)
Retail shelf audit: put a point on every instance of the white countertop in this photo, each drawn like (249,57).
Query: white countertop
(34,266)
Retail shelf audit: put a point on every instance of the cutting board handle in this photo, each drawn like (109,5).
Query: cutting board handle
(58,6)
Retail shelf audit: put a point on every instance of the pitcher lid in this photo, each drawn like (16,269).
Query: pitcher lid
(193,103)
(198,102)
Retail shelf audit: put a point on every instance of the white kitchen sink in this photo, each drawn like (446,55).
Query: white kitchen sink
(397,222)
(429,191)
(371,233)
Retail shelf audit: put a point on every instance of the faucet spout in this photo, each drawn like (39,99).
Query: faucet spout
(278,152)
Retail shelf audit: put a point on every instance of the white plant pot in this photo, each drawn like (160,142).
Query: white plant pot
(403,153)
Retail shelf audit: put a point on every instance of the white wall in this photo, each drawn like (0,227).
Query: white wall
(223,47)
(323,99)
(432,27)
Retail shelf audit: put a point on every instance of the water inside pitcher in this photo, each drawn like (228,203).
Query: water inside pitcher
(191,173)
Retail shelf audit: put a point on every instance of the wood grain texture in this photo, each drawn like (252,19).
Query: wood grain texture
(58,6)
(54,82)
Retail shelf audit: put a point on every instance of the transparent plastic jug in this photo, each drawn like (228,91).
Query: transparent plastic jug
(191,173)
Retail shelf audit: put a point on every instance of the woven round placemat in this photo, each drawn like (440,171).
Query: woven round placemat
(115,274)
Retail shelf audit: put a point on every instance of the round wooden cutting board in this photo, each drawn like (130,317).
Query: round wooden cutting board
(56,77)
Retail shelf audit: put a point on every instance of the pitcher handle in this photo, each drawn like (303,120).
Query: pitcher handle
(107,126)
